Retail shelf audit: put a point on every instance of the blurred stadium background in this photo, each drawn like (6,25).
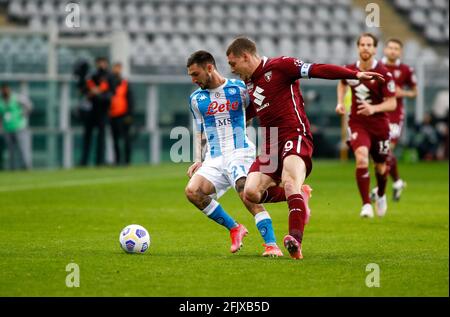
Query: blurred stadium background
(153,38)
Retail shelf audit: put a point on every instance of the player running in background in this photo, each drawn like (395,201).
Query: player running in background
(218,107)
(273,86)
(404,77)
(369,122)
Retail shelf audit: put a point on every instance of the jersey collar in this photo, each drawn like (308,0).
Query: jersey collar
(261,65)
(374,64)
(220,87)
(384,60)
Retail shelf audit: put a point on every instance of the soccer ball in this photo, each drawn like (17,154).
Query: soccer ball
(134,239)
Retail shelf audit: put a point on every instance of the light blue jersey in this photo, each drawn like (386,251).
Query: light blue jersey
(220,113)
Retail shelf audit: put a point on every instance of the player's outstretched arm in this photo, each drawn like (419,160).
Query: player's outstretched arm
(329,71)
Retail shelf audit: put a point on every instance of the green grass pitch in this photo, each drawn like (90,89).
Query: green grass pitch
(49,219)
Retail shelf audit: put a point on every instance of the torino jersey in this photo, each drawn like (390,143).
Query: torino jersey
(220,113)
(274,90)
(372,92)
(403,76)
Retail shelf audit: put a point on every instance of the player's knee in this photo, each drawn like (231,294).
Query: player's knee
(193,193)
(252,195)
(362,159)
(380,168)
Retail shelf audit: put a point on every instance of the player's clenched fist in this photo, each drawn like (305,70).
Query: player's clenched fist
(193,168)
(340,109)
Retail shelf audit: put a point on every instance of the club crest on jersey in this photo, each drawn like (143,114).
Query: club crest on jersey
(250,87)
(397,73)
(217,94)
(232,91)
(268,76)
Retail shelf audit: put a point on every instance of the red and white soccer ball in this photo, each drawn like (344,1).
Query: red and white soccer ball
(134,239)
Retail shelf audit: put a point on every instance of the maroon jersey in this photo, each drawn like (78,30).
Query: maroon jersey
(274,90)
(372,92)
(404,76)
(275,95)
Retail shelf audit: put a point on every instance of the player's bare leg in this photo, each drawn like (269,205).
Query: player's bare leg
(363,180)
(256,185)
(292,178)
(262,220)
(198,191)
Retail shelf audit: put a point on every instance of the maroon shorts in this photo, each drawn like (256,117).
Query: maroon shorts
(376,140)
(291,143)
(395,129)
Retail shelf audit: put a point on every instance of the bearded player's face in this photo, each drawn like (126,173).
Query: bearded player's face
(200,75)
(393,51)
(239,65)
(366,48)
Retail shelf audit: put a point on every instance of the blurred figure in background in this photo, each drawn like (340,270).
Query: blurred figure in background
(14,112)
(99,92)
(426,139)
(440,118)
(404,77)
(120,115)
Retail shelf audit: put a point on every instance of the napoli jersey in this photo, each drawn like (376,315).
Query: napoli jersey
(220,113)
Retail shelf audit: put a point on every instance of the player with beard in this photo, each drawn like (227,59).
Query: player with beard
(369,122)
(218,107)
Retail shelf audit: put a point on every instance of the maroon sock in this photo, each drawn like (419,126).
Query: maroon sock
(297,216)
(273,195)
(381,182)
(393,167)
(363,181)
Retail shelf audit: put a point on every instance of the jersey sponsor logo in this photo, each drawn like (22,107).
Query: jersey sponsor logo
(363,93)
(214,107)
(259,97)
(268,76)
(262,107)
(223,122)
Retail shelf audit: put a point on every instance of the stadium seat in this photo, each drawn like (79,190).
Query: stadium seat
(404,5)
(418,18)
(114,10)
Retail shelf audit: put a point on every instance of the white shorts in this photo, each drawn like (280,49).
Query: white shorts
(224,171)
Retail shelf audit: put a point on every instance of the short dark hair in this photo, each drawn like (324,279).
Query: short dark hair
(374,38)
(395,40)
(201,58)
(240,46)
